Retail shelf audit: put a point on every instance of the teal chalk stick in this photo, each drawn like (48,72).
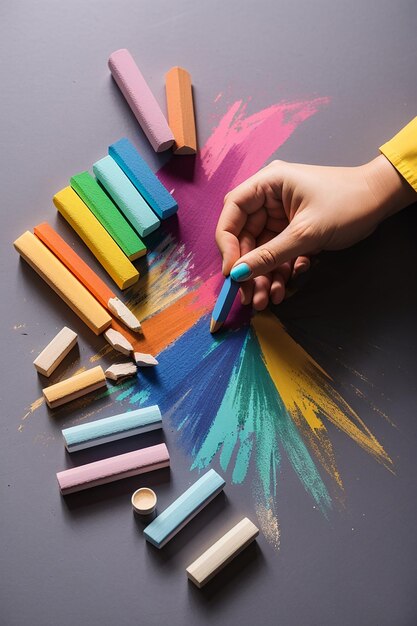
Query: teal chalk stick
(112,428)
(126,196)
(141,175)
(224,303)
(108,215)
(184,508)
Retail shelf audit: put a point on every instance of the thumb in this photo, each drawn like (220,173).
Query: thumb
(292,242)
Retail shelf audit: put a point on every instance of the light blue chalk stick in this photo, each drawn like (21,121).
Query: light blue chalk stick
(225,299)
(112,428)
(141,175)
(126,196)
(184,508)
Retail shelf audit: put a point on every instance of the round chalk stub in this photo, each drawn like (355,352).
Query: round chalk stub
(144,501)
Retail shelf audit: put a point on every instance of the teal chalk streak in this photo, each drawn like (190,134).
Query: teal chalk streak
(253,423)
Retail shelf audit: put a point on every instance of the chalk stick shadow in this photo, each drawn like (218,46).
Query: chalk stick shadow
(230,582)
(168,554)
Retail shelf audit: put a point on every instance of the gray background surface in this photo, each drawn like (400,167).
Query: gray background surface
(87,563)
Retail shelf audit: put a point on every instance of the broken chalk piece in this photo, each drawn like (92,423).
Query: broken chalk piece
(215,558)
(144,360)
(60,279)
(120,371)
(126,196)
(74,387)
(141,175)
(118,341)
(113,468)
(141,100)
(112,428)
(96,237)
(55,352)
(181,110)
(179,513)
(108,215)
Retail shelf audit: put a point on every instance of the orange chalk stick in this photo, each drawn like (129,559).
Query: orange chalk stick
(181,110)
(85,274)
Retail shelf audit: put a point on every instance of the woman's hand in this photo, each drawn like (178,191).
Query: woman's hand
(272,222)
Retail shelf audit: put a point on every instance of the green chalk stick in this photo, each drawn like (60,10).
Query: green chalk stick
(108,215)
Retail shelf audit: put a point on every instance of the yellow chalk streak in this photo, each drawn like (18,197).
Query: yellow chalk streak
(308,395)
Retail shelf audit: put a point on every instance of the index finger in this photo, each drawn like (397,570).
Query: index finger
(245,199)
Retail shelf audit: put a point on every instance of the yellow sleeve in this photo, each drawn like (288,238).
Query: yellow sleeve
(401,150)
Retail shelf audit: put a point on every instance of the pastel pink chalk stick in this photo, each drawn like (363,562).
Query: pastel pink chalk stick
(113,468)
(141,100)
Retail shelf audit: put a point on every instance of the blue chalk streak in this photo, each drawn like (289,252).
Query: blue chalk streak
(225,300)
(141,175)
(126,196)
(112,428)
(184,508)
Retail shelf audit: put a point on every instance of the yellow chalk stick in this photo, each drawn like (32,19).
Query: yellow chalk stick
(74,387)
(78,298)
(95,236)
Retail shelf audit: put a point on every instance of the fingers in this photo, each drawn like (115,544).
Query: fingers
(293,241)
(301,264)
(240,207)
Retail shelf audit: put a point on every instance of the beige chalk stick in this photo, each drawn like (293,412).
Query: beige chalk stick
(222,552)
(60,279)
(55,352)
(144,360)
(74,387)
(119,371)
(118,341)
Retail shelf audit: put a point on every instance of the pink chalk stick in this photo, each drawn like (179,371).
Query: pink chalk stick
(141,100)
(113,468)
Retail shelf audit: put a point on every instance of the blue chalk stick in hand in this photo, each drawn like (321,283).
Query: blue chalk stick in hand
(224,303)
(143,178)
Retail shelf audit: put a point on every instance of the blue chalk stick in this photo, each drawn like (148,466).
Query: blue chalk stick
(184,508)
(141,175)
(225,300)
(112,428)
(126,196)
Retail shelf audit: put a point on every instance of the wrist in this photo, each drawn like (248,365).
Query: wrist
(390,190)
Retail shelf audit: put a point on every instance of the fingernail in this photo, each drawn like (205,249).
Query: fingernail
(241,272)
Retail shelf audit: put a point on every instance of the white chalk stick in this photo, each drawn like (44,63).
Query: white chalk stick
(203,569)
(55,352)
